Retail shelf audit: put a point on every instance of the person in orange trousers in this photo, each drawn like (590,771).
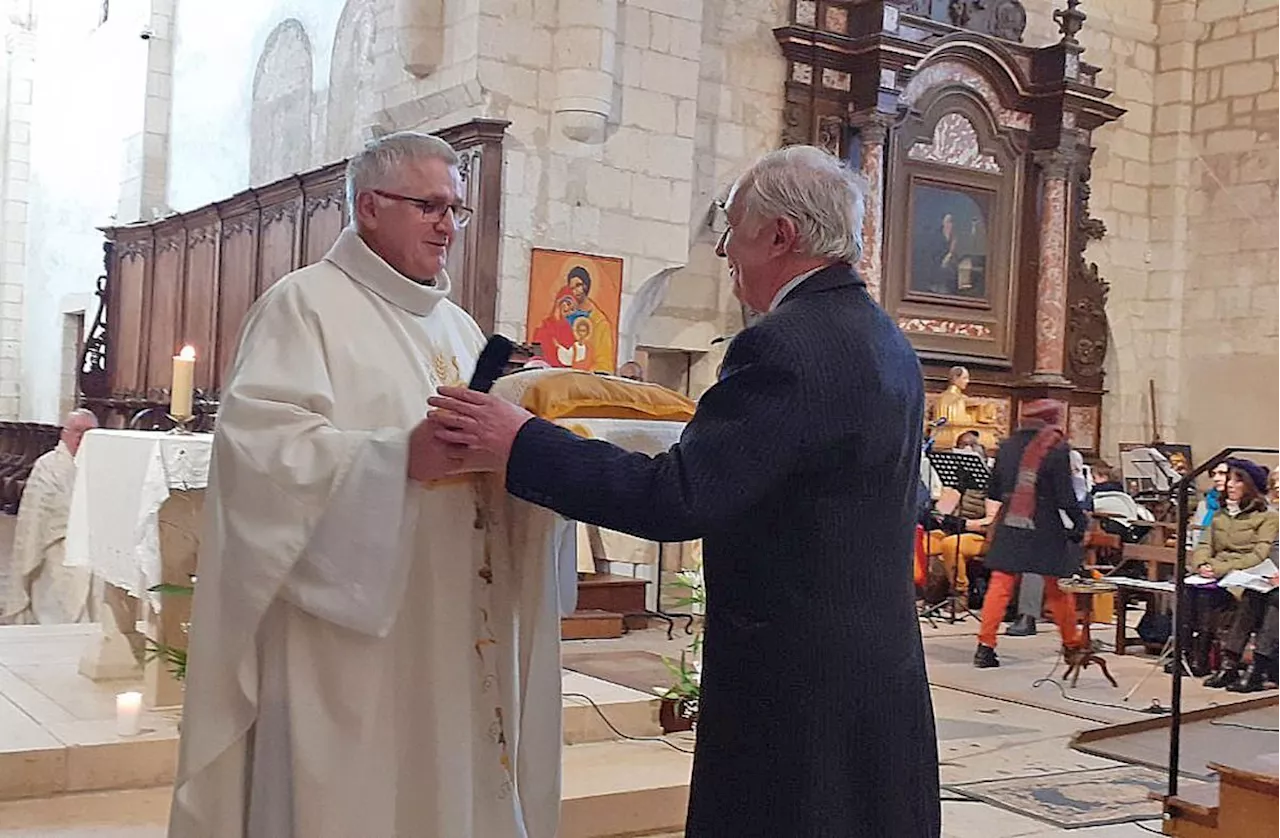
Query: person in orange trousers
(1030,485)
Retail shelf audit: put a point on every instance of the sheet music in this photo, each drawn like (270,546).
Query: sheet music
(1144,584)
(1256,578)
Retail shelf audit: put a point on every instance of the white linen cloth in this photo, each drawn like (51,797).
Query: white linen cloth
(122,479)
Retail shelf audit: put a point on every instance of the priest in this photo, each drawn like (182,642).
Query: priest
(366,657)
(37,587)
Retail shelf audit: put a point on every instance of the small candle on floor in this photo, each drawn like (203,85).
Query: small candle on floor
(129,714)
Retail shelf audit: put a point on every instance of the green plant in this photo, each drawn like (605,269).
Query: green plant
(687,672)
(175,657)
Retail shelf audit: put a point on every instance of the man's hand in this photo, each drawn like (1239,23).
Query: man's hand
(478,428)
(430,459)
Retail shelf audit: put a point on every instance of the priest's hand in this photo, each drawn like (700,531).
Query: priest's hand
(430,459)
(480,426)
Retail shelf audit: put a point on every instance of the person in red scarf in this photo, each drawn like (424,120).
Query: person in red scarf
(1031,496)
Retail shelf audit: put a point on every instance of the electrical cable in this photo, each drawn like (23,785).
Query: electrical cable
(1049,679)
(619,733)
(1243,726)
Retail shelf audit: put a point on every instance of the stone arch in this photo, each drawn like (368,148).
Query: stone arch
(280,116)
(351,81)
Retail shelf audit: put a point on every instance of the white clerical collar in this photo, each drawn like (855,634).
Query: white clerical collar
(354,258)
(791,286)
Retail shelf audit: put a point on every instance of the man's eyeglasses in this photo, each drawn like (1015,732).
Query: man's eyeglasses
(432,211)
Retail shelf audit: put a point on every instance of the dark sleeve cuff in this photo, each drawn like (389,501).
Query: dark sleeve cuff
(537,443)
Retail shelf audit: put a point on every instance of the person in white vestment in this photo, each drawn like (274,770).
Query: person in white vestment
(367,656)
(37,587)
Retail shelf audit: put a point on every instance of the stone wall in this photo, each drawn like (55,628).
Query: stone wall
(1228,352)
(693,103)
(77,120)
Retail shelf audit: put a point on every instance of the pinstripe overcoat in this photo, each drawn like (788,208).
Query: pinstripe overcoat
(799,471)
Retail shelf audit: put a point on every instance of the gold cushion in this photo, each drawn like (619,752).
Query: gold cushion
(570,394)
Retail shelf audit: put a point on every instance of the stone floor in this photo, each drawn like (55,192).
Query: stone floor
(992,724)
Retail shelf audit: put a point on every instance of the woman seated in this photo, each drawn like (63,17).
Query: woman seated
(1255,617)
(1239,537)
(962,537)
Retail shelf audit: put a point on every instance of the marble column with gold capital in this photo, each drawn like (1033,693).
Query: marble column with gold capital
(871,134)
(1051,285)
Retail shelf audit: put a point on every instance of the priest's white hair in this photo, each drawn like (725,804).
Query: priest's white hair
(382,156)
(817,191)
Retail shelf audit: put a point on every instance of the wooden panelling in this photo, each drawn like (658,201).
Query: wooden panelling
(199,300)
(165,314)
(192,278)
(236,283)
(278,240)
(127,316)
(323,199)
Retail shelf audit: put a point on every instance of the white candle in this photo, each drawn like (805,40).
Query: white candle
(184,371)
(129,714)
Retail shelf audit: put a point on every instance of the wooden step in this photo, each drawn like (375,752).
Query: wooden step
(610,592)
(591,624)
(624,788)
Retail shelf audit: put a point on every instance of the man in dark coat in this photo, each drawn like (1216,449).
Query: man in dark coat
(799,472)
(1030,483)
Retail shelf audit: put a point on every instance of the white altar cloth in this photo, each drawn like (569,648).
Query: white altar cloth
(122,480)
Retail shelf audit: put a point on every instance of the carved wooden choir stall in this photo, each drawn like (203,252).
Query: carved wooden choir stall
(976,148)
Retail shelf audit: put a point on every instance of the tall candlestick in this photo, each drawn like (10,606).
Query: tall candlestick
(129,714)
(184,371)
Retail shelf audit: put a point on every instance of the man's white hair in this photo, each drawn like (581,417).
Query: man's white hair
(381,157)
(80,416)
(823,197)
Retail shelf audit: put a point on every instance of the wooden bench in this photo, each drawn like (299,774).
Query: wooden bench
(1154,557)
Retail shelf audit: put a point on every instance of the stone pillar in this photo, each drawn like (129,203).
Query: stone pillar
(872,134)
(16,160)
(1051,287)
(586,44)
(419,27)
(144,188)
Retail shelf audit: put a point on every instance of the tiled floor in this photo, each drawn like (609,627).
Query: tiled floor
(992,724)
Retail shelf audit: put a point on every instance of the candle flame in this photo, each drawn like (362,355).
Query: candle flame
(188,353)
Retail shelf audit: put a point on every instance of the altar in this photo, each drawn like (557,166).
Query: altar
(135,518)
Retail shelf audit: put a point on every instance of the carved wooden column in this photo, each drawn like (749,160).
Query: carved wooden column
(871,134)
(1051,286)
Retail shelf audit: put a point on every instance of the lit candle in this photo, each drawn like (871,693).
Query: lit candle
(184,371)
(129,714)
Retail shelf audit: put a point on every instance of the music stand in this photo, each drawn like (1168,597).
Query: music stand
(1149,470)
(959,469)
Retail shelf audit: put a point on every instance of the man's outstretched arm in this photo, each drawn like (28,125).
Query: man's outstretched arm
(747,434)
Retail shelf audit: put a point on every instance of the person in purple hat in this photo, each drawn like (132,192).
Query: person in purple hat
(1240,537)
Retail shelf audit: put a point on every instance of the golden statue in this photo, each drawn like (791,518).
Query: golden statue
(952,406)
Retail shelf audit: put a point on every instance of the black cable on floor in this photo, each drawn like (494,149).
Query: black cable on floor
(1244,726)
(1049,679)
(619,733)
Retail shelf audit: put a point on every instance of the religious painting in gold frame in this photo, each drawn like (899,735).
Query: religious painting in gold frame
(574,305)
(952,229)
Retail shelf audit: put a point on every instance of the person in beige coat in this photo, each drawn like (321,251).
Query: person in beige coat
(1240,537)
